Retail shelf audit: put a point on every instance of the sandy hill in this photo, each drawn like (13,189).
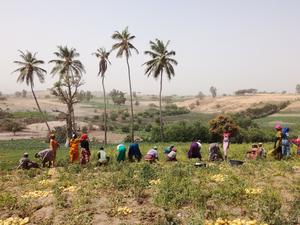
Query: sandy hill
(239,103)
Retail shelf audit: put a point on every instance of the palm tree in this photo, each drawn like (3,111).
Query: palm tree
(102,54)
(160,62)
(29,66)
(70,71)
(124,46)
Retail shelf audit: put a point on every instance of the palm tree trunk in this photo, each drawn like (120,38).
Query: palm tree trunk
(105,114)
(131,104)
(36,101)
(71,107)
(160,111)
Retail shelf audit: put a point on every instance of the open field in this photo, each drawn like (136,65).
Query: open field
(165,193)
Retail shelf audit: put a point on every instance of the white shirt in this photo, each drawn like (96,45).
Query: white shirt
(102,156)
(172,155)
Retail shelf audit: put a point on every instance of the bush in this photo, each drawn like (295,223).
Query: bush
(221,124)
(84,129)
(125,129)
(182,131)
(60,134)
(266,110)
(113,116)
(148,127)
(139,120)
(11,125)
(173,110)
(96,117)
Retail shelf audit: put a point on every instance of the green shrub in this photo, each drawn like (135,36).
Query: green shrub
(113,116)
(182,131)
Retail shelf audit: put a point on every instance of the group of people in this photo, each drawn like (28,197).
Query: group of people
(282,145)
(48,156)
(80,151)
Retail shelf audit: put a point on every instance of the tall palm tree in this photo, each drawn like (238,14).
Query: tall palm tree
(102,54)
(70,71)
(159,63)
(29,66)
(124,47)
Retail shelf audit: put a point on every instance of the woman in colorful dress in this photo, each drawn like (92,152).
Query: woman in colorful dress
(85,146)
(74,148)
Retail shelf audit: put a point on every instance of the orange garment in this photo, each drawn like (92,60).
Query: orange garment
(54,146)
(74,152)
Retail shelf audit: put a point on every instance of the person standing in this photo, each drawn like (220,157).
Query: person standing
(226,136)
(53,146)
(278,142)
(74,148)
(286,145)
(85,147)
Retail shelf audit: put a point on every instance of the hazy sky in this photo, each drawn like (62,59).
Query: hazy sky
(230,44)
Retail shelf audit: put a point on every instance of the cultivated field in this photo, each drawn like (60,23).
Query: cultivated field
(258,192)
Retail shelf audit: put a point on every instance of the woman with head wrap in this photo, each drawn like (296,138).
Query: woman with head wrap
(85,148)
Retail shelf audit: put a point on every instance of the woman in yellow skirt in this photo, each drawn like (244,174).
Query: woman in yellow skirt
(74,151)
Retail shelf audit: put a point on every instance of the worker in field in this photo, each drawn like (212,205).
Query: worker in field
(261,151)
(226,136)
(47,156)
(103,159)
(168,149)
(286,144)
(121,149)
(194,151)
(25,163)
(172,155)
(74,148)
(214,152)
(297,143)
(152,155)
(277,151)
(85,149)
(253,153)
(134,152)
(53,146)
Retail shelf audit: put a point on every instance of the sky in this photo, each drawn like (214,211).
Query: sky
(232,44)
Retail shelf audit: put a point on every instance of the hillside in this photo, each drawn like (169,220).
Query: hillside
(230,104)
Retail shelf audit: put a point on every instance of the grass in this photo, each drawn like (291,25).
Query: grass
(163,193)
(31,114)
